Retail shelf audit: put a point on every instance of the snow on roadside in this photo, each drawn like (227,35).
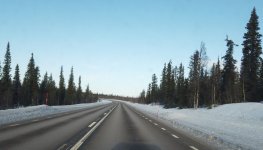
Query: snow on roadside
(236,126)
(25,113)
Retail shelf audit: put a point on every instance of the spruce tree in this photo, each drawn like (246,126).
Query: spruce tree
(154,90)
(163,85)
(62,88)
(194,77)
(71,90)
(88,95)
(79,91)
(229,74)
(250,63)
(43,90)
(52,91)
(16,90)
(6,86)
(30,84)
(181,102)
(170,85)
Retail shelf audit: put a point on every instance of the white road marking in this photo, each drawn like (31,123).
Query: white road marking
(82,140)
(146,118)
(62,147)
(150,120)
(92,124)
(192,147)
(143,116)
(13,125)
(175,136)
(105,113)
(163,129)
(156,124)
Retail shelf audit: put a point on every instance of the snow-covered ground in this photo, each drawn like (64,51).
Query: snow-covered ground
(232,126)
(25,113)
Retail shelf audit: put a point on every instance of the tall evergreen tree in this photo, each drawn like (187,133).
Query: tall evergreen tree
(30,84)
(154,90)
(62,88)
(43,90)
(51,91)
(194,77)
(250,63)
(87,95)
(142,97)
(163,85)
(170,85)
(229,74)
(71,90)
(16,90)
(181,102)
(6,80)
(79,91)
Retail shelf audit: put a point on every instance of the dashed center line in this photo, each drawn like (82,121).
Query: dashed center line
(175,136)
(146,118)
(163,129)
(150,120)
(156,124)
(92,124)
(192,147)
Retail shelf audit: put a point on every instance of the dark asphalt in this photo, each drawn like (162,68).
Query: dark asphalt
(126,129)
(123,129)
(50,133)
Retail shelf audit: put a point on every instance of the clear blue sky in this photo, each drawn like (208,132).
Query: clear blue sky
(116,45)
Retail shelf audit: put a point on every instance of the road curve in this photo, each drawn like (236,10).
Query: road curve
(51,132)
(127,129)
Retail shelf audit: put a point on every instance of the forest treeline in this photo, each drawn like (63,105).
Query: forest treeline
(221,84)
(34,91)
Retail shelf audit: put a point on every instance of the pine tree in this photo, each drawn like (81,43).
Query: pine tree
(250,63)
(6,86)
(71,90)
(260,84)
(79,91)
(16,90)
(62,89)
(229,74)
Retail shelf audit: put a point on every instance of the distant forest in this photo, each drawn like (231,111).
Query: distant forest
(218,85)
(33,91)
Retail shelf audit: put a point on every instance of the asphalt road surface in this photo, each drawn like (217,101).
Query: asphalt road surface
(115,126)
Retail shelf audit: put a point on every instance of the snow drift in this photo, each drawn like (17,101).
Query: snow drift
(236,126)
(25,113)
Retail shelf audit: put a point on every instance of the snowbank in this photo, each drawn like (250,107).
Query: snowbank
(236,126)
(31,112)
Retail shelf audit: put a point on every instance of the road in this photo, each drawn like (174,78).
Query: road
(116,126)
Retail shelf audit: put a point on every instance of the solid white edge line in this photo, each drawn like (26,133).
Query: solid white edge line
(192,147)
(175,136)
(92,124)
(82,140)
